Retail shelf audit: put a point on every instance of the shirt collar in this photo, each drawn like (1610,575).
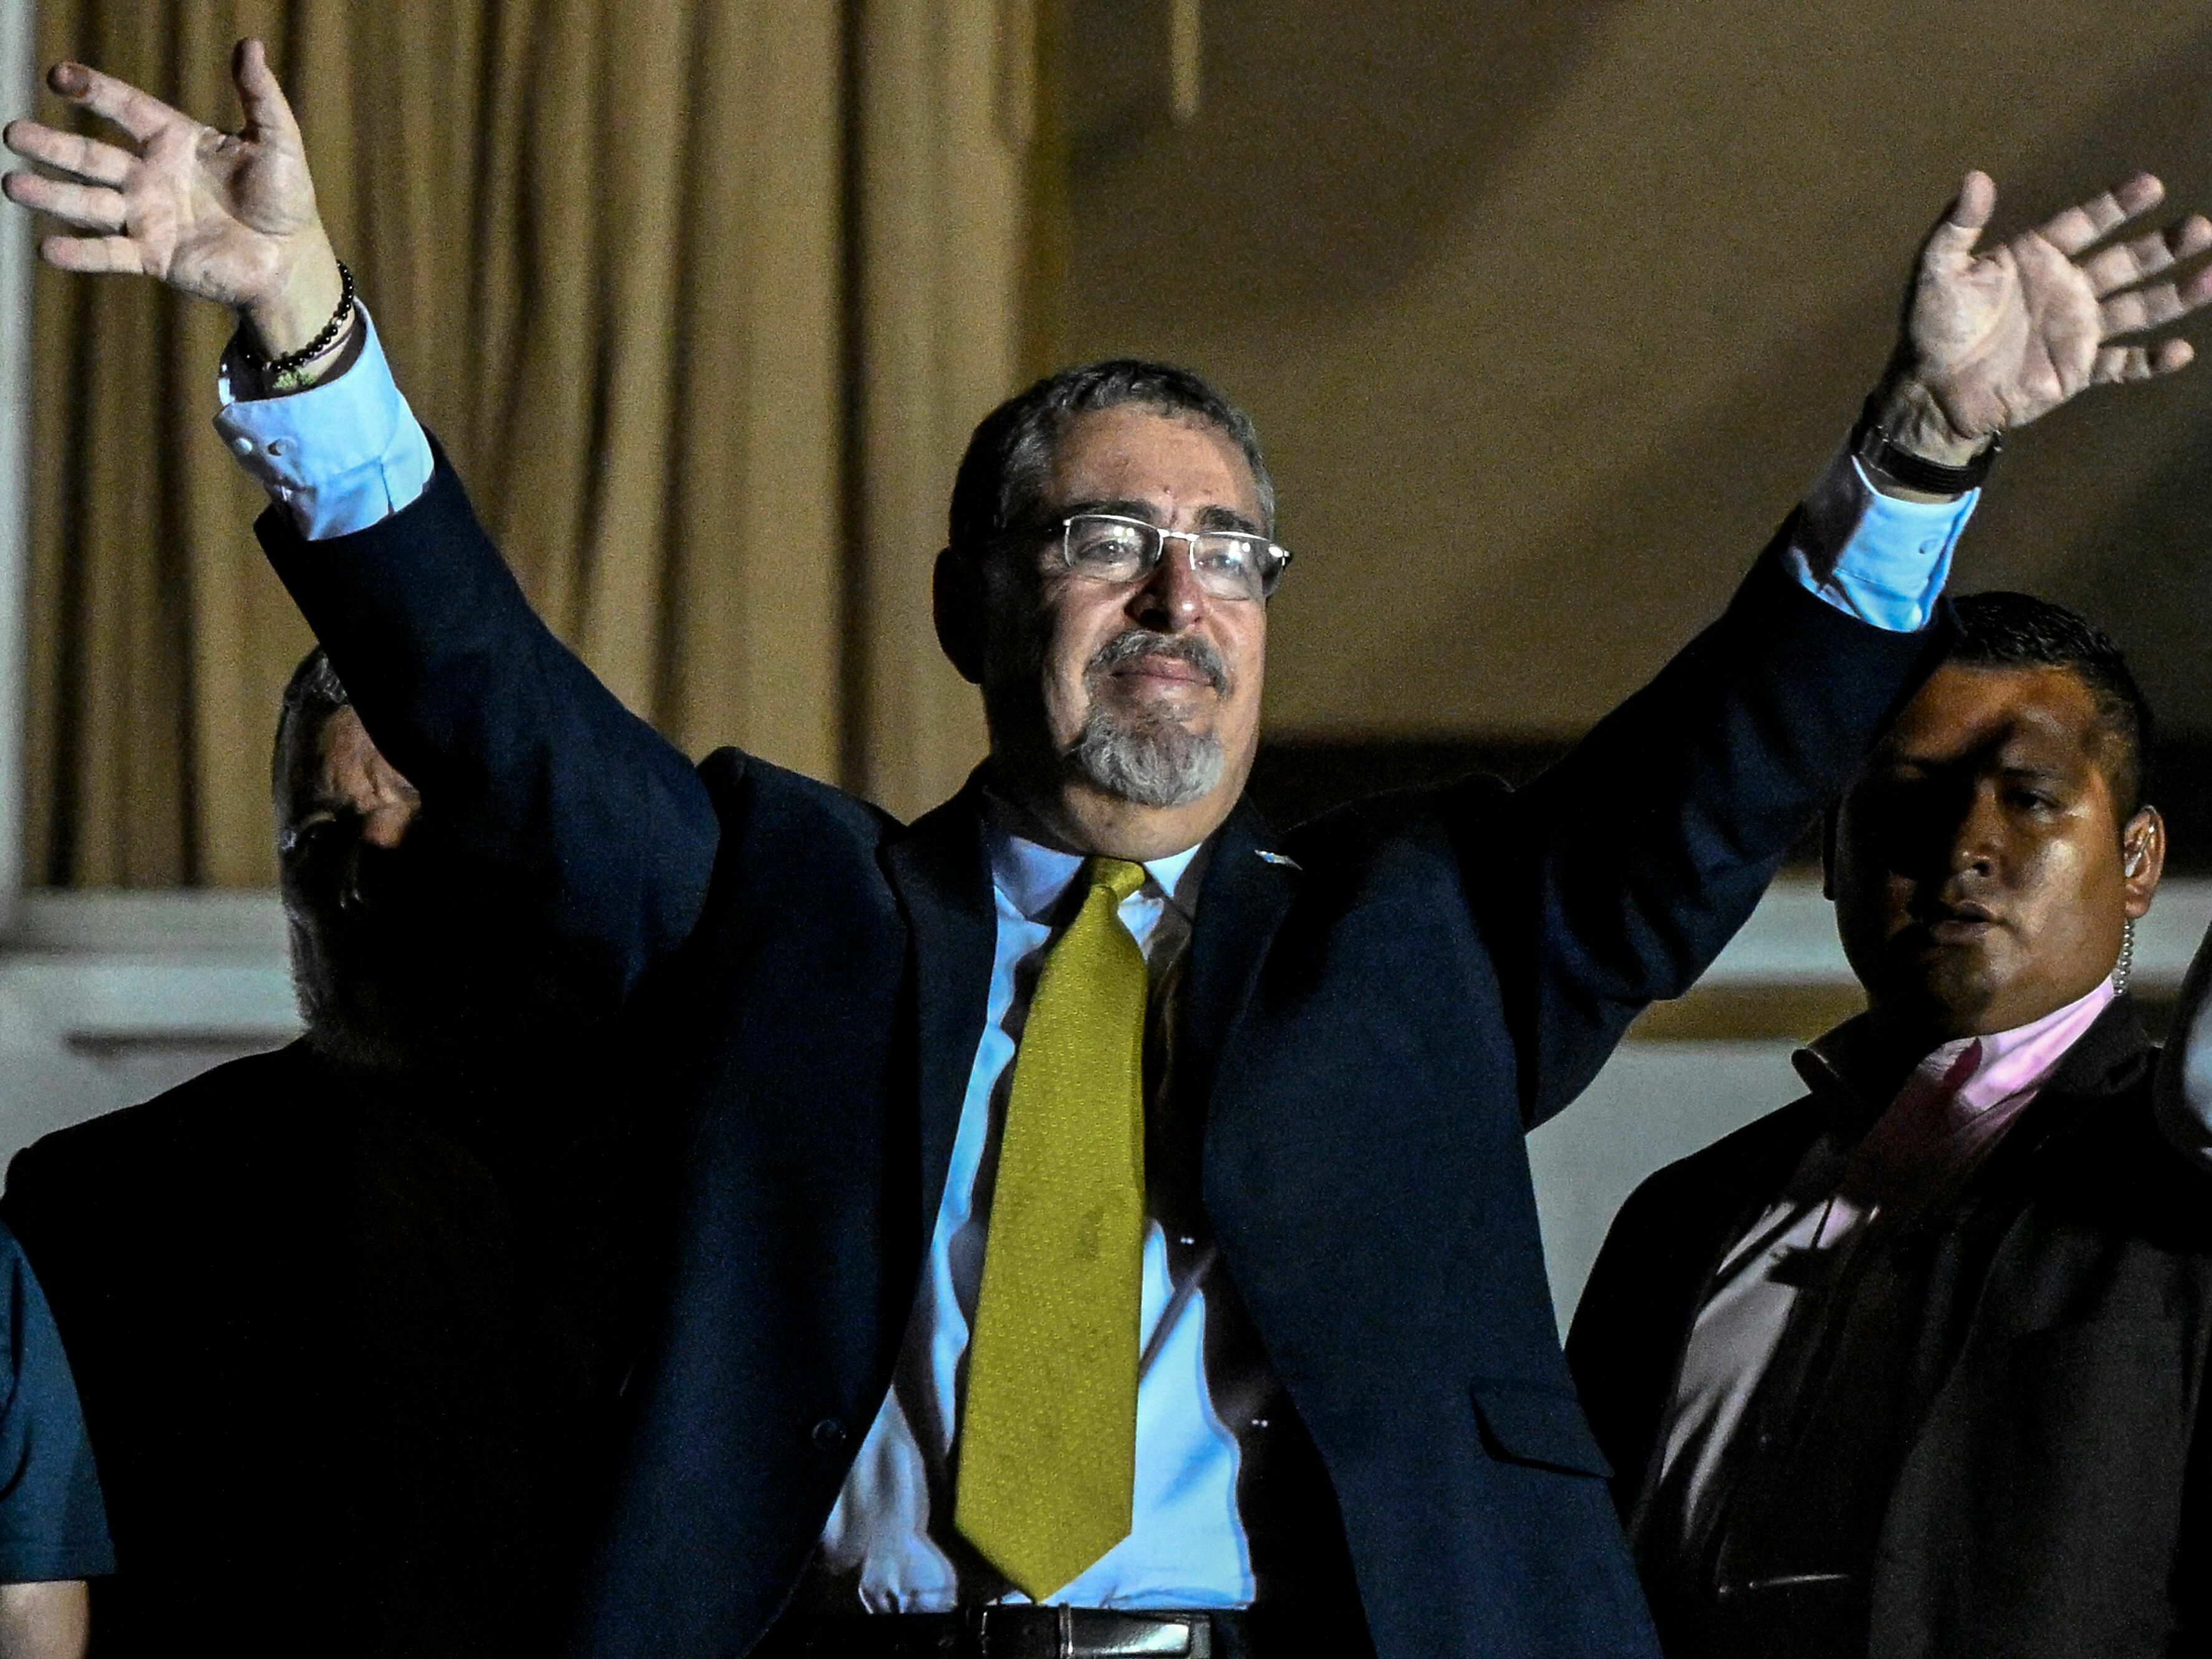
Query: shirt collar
(2014,1061)
(1033,876)
(2008,1063)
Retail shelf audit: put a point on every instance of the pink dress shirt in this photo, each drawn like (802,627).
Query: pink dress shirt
(1954,1107)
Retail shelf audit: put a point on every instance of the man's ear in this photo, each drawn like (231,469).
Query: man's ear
(957,604)
(2143,859)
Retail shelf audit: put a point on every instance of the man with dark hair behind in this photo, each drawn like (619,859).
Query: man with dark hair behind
(337,1369)
(1916,1365)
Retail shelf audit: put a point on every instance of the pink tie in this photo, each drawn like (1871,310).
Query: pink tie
(1911,1145)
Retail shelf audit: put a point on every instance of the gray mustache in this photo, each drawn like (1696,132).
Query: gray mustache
(1191,652)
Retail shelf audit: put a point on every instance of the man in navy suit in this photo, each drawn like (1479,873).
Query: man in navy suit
(1351,1420)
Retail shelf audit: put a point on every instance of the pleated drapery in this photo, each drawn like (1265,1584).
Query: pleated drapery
(702,297)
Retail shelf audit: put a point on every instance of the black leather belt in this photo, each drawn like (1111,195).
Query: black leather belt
(1014,1632)
(1807,1615)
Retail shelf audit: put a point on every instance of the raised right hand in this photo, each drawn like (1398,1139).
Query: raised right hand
(228,216)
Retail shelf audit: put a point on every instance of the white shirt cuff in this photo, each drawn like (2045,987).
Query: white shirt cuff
(341,456)
(1874,557)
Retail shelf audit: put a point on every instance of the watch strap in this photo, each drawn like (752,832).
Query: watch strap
(1877,449)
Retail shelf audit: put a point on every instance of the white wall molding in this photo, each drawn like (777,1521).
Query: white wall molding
(110,998)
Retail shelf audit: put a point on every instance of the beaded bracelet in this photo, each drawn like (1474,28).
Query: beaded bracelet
(279,372)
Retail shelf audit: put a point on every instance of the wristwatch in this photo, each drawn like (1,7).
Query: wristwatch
(1878,453)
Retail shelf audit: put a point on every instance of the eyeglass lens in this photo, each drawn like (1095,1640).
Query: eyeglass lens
(1227,564)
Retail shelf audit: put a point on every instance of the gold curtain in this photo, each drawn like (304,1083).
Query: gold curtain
(701,296)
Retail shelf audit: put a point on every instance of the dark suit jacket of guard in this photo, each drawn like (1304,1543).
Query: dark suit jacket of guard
(340,1376)
(2055,1499)
(1368,1032)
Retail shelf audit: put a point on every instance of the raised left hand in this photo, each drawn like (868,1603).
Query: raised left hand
(225,216)
(1995,339)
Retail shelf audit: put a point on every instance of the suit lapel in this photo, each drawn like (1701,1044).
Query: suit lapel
(2107,1060)
(1248,890)
(2107,1057)
(943,878)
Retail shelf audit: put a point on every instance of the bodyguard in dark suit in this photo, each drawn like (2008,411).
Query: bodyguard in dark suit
(345,1316)
(1088,1078)
(1916,1365)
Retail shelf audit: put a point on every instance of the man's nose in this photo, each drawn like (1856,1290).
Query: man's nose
(375,835)
(1979,841)
(384,825)
(1169,598)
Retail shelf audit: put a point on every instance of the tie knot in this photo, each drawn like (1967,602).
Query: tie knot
(1118,876)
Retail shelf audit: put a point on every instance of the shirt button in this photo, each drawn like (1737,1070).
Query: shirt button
(829,1435)
(276,446)
(243,446)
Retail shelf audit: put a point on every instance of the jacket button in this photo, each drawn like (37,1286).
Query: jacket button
(829,1435)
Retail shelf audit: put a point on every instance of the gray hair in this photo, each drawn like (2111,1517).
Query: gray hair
(1003,473)
(312,695)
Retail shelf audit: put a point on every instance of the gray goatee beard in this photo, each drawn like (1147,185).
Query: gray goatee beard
(1138,758)
(346,1019)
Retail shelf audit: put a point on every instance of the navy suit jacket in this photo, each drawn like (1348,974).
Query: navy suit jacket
(1369,1031)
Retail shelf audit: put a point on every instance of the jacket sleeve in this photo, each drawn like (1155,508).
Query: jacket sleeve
(2184,1089)
(1615,879)
(52,1522)
(593,826)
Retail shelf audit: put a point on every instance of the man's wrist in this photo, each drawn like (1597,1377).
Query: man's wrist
(302,304)
(1908,447)
(1913,421)
(333,359)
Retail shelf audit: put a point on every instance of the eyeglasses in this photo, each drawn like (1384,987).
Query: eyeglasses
(1229,564)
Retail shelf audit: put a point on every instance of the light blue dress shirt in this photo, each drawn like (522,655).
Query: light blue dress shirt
(348,452)
(890,1537)
(342,455)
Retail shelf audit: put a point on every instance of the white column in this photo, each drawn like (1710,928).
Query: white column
(18,96)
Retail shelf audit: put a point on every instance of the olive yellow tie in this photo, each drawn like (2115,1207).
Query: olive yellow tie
(1048,1453)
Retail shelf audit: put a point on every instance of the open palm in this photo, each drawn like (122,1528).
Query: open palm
(1995,339)
(228,217)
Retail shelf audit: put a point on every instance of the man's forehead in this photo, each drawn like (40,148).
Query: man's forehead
(1966,712)
(344,766)
(341,743)
(1137,456)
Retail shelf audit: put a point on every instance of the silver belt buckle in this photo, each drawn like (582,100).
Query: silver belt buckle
(1106,1633)
(1004,1632)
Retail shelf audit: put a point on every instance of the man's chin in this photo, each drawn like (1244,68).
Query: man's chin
(1951,990)
(1145,763)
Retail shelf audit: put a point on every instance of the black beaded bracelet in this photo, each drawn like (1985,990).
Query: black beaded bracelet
(273,369)
(1878,450)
